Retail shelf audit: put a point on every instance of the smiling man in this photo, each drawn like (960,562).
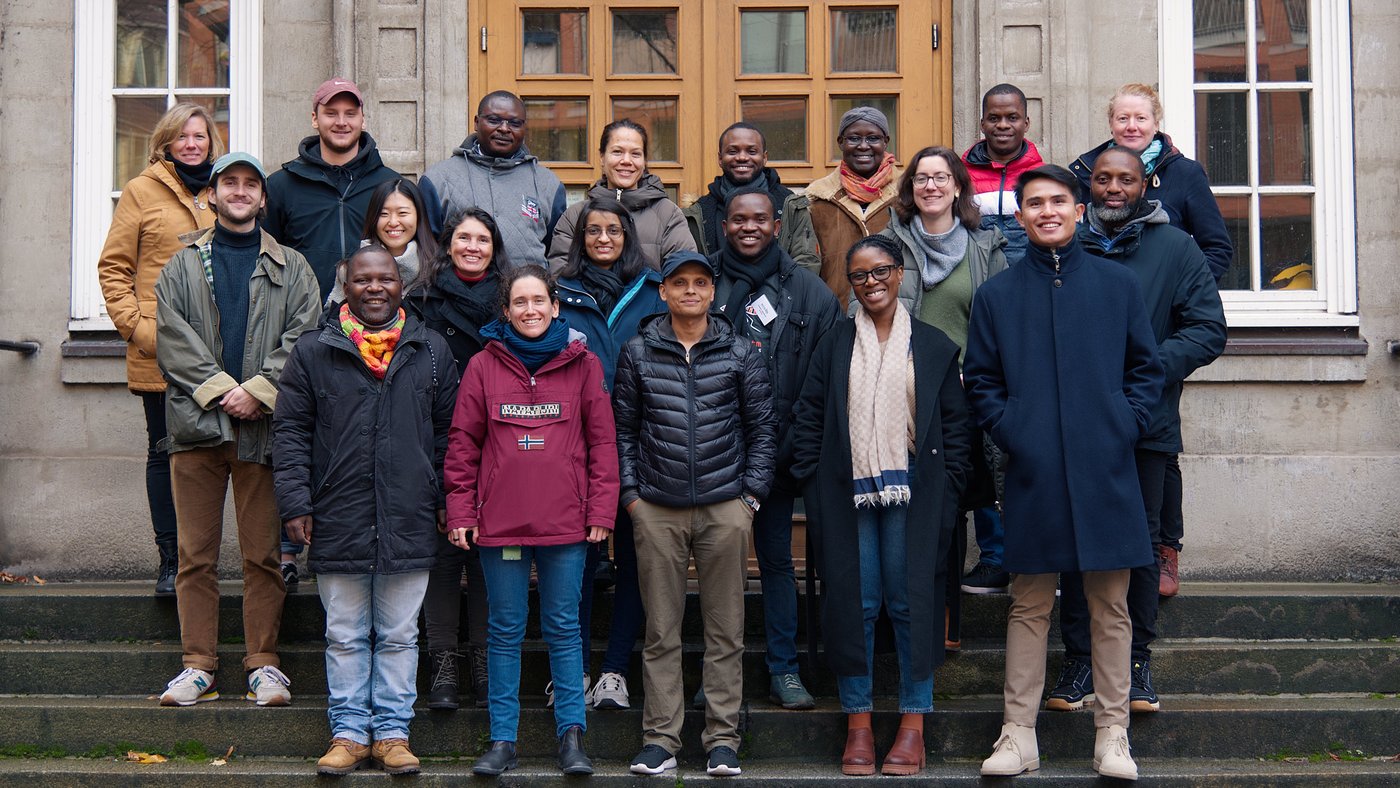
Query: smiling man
(1062,373)
(996,161)
(492,169)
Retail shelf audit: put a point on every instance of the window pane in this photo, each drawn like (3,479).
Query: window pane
(1222,137)
(644,42)
(203,52)
(1285,152)
(1220,38)
(658,117)
(1235,209)
(140,44)
(889,105)
(136,117)
(784,125)
(1282,49)
(775,42)
(1286,241)
(558,128)
(554,42)
(863,40)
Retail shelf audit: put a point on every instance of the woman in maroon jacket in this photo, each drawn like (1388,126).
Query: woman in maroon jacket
(532,475)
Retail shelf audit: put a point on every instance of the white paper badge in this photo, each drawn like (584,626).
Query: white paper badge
(763,309)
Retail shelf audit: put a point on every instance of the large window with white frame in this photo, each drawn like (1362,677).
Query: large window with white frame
(134,59)
(1264,86)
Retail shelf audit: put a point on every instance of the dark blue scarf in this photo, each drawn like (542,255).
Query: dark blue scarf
(533,353)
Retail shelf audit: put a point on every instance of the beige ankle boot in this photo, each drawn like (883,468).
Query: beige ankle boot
(1015,752)
(1112,754)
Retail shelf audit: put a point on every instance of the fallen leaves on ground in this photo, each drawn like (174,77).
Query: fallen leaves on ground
(224,760)
(6,577)
(145,757)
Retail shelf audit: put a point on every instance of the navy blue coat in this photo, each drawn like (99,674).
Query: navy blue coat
(608,333)
(1181,186)
(1062,372)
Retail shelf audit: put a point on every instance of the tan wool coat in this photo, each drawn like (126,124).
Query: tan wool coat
(839,222)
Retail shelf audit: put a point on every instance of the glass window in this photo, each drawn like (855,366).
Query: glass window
(558,128)
(1222,137)
(658,117)
(554,42)
(783,121)
(864,39)
(774,42)
(644,42)
(1286,241)
(840,105)
(1281,51)
(1285,153)
(1220,40)
(140,44)
(135,117)
(203,45)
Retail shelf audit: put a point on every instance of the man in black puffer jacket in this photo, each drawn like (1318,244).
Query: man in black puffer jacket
(696,440)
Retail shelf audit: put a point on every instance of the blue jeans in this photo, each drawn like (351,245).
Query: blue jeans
(1015,235)
(880,532)
(772,542)
(987,521)
(372,688)
(560,570)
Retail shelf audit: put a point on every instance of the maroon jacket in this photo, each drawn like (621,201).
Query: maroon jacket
(532,460)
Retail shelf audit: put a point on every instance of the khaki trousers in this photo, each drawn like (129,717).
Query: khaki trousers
(718,536)
(199,479)
(1111,634)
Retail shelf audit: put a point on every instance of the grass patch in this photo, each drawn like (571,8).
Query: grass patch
(1336,751)
(32,751)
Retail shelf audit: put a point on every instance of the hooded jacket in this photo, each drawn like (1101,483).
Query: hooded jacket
(839,222)
(994,182)
(155,209)
(795,237)
(522,195)
(661,227)
(606,334)
(319,209)
(363,456)
(1183,305)
(532,459)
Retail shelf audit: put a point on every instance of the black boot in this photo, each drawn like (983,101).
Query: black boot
(572,759)
(498,759)
(481,687)
(443,693)
(169,565)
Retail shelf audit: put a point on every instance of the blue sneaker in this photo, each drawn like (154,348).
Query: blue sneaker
(1141,697)
(723,762)
(653,759)
(1075,688)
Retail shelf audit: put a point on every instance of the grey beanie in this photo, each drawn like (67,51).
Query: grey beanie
(868,114)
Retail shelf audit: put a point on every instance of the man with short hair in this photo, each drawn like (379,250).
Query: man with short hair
(493,170)
(997,160)
(1188,322)
(743,164)
(696,442)
(316,203)
(230,305)
(1062,372)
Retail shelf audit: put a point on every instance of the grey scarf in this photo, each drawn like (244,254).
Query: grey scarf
(941,253)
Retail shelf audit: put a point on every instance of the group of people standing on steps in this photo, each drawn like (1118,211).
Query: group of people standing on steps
(469,377)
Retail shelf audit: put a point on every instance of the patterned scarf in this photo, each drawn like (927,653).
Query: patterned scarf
(879,412)
(867,190)
(376,347)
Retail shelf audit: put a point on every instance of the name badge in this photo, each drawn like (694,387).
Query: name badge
(763,310)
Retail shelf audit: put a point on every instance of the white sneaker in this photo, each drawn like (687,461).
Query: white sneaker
(190,687)
(1112,753)
(610,692)
(549,692)
(268,686)
(1016,751)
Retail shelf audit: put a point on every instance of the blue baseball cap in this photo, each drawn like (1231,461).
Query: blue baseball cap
(236,157)
(675,260)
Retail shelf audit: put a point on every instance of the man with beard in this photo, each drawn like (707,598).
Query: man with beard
(492,169)
(230,305)
(743,164)
(1188,323)
(783,311)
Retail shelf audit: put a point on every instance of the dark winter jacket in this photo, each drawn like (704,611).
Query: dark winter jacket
(608,333)
(796,236)
(698,431)
(1181,186)
(444,313)
(319,209)
(660,225)
(522,195)
(1062,372)
(363,456)
(1183,306)
(942,463)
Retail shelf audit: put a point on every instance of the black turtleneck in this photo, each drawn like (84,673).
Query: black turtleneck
(234,256)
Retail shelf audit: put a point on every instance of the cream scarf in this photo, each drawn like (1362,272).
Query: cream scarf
(880,412)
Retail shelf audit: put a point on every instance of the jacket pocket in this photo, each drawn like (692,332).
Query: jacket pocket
(143,333)
(186,422)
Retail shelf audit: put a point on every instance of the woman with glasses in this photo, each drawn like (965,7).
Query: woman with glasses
(881,441)
(660,225)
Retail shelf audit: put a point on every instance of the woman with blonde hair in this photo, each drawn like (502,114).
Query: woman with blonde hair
(169,198)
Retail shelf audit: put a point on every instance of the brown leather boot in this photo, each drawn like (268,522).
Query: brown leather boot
(907,755)
(394,757)
(343,757)
(859,757)
(1168,585)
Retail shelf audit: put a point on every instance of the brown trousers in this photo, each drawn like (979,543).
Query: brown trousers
(199,479)
(1111,633)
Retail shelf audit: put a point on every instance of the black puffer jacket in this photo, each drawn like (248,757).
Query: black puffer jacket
(696,432)
(363,456)
(443,307)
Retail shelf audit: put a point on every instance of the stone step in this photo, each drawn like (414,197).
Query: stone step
(1253,611)
(275,773)
(1178,666)
(1193,727)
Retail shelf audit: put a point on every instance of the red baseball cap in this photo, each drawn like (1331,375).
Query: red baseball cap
(334,87)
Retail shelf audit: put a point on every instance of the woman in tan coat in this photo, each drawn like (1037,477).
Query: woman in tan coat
(169,198)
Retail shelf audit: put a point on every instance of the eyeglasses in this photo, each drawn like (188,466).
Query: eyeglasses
(497,121)
(855,139)
(593,231)
(880,273)
(940,179)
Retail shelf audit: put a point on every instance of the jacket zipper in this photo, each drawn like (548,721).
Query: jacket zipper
(1056,255)
(690,426)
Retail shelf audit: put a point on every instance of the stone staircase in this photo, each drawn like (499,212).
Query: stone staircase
(1261,684)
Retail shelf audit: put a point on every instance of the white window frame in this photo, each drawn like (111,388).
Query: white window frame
(1334,302)
(94,113)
